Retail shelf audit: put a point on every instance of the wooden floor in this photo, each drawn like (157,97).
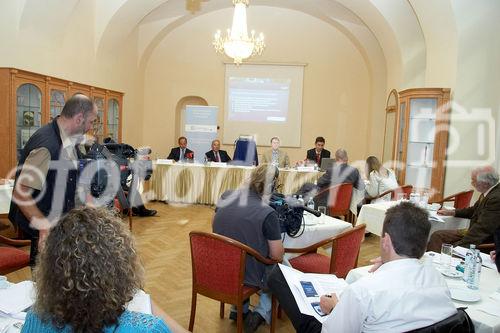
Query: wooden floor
(163,244)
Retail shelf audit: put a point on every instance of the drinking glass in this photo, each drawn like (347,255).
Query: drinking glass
(322,210)
(446,251)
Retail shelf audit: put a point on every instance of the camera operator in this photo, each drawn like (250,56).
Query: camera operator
(245,215)
(134,196)
(46,176)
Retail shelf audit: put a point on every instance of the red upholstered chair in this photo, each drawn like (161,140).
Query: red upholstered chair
(345,251)
(218,266)
(405,190)
(12,259)
(460,199)
(339,199)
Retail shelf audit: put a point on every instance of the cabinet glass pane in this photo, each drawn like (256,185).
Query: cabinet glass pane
(402,125)
(98,124)
(56,103)
(113,119)
(420,150)
(28,114)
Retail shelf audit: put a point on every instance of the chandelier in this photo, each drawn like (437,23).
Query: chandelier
(237,44)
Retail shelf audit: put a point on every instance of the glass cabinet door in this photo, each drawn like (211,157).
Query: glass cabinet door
(98,124)
(421,134)
(56,103)
(28,114)
(113,120)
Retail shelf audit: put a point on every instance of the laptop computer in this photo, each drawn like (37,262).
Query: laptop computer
(326,163)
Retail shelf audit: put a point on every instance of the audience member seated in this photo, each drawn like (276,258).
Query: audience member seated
(484,215)
(88,271)
(244,215)
(401,295)
(275,155)
(181,153)
(216,154)
(316,154)
(380,179)
(339,173)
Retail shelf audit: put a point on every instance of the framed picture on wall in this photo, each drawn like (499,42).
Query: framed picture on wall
(28,118)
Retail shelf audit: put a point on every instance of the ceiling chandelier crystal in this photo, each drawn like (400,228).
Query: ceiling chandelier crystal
(237,44)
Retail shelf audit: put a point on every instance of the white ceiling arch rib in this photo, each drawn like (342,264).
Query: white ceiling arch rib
(155,26)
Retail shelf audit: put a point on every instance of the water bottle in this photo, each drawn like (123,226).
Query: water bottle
(301,200)
(424,200)
(310,203)
(475,275)
(467,262)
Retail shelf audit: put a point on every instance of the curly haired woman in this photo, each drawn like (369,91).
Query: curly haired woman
(87,273)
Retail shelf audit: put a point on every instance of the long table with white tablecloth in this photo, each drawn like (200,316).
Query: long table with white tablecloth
(204,184)
(373,216)
(488,286)
(316,229)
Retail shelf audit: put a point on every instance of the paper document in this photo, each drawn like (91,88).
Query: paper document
(17,297)
(433,216)
(487,262)
(307,289)
(164,161)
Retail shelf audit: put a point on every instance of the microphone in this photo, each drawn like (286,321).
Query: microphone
(310,210)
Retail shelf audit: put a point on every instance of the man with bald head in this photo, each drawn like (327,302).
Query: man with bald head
(484,215)
(216,154)
(46,177)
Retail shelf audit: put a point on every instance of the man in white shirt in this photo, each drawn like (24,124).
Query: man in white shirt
(401,295)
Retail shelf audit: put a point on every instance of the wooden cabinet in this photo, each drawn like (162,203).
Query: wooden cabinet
(29,100)
(422,138)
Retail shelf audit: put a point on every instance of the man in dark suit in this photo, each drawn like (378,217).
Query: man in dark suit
(484,215)
(339,173)
(217,155)
(316,154)
(182,152)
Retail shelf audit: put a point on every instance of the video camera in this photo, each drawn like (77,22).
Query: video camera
(290,213)
(121,154)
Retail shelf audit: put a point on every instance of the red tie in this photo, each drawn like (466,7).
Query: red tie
(318,158)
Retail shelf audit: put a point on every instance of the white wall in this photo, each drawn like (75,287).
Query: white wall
(61,43)
(336,96)
(477,86)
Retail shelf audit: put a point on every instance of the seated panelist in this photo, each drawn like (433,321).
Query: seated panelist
(88,271)
(182,152)
(275,155)
(316,154)
(216,154)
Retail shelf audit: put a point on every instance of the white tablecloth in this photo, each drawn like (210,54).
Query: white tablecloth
(316,229)
(490,282)
(5,197)
(373,216)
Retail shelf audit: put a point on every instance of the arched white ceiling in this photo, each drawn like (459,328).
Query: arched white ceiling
(153,24)
(388,34)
